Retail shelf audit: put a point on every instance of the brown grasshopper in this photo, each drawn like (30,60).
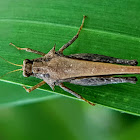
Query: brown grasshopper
(54,68)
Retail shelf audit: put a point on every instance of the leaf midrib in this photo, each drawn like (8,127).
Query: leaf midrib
(130,37)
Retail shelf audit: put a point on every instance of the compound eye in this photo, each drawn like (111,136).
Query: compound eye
(28,61)
(25,74)
(27,67)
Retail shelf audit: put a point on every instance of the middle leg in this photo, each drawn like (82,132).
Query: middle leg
(74,93)
(73,39)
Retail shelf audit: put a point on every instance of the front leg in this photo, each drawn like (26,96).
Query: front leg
(34,87)
(74,93)
(28,50)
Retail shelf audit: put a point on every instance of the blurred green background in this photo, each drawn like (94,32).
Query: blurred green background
(65,118)
(112,28)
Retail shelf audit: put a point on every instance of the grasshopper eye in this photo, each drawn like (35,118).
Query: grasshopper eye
(27,67)
(26,61)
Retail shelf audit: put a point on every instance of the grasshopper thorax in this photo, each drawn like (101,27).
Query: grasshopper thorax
(27,67)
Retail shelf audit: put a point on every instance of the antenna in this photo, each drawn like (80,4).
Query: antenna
(10,72)
(11,62)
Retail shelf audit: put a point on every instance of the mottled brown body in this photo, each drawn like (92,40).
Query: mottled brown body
(81,69)
(63,68)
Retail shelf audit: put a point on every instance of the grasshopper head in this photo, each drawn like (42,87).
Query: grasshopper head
(27,67)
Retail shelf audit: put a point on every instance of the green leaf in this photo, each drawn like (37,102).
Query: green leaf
(112,28)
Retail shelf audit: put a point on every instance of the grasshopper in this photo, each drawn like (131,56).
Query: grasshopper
(55,68)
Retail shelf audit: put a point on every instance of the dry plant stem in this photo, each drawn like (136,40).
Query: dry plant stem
(74,38)
(34,87)
(28,50)
(74,93)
